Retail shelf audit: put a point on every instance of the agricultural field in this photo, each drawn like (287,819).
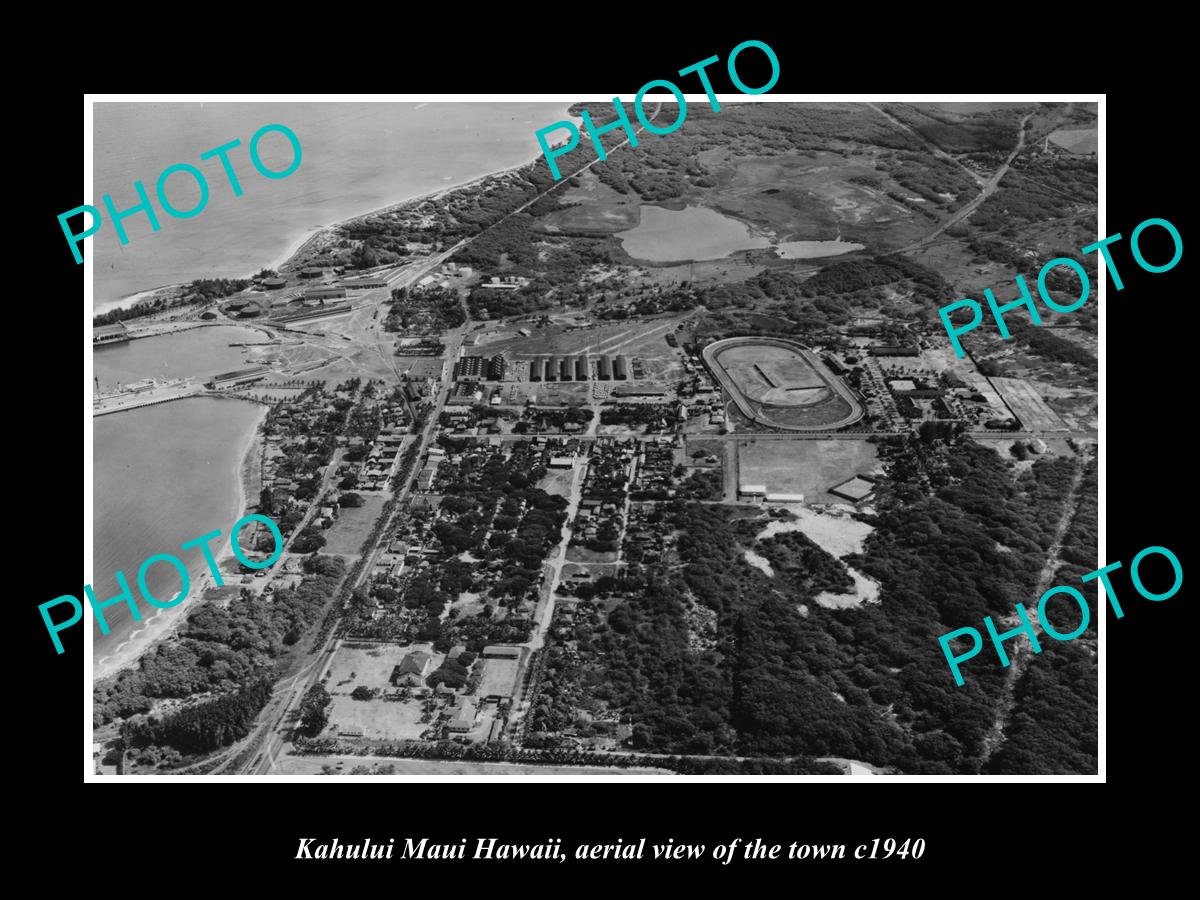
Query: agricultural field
(810,468)
(1028,406)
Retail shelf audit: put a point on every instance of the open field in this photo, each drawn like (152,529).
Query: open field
(353,524)
(806,467)
(580,554)
(1075,140)
(594,208)
(1028,406)
(499,678)
(781,385)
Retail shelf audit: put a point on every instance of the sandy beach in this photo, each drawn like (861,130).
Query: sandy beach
(131,299)
(160,624)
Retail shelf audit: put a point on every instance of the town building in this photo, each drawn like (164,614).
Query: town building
(324,293)
(229,380)
(412,669)
(462,717)
(110,334)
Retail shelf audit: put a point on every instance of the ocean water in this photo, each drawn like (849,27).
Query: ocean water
(356,157)
(199,351)
(164,475)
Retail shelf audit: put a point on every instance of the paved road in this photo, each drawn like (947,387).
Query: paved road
(989,187)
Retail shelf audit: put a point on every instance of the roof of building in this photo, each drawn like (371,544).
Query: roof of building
(414,663)
(502,651)
(240,373)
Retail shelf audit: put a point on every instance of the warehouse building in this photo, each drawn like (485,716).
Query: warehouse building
(237,378)
(108,334)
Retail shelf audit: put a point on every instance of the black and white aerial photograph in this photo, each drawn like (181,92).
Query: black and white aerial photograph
(417,460)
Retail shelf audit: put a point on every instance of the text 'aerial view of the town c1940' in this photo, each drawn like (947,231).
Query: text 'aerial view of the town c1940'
(666,467)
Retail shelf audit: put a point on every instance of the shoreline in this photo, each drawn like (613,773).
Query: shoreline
(297,243)
(162,624)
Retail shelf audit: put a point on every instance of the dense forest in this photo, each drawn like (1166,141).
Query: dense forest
(221,648)
(202,727)
(1053,727)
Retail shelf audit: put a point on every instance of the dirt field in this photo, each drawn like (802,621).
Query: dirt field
(352,525)
(806,467)
(1027,405)
(558,482)
(581,554)
(499,678)
(377,718)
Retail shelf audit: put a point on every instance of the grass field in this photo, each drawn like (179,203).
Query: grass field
(596,208)
(806,467)
(353,524)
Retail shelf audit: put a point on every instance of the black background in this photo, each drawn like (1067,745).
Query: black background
(985,834)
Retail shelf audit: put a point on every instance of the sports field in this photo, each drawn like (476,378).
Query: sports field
(806,467)
(781,384)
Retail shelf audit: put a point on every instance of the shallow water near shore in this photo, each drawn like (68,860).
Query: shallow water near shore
(164,475)
(355,158)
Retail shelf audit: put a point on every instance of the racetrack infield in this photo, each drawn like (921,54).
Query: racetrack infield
(782,385)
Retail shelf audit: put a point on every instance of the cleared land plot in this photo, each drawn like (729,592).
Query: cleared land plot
(579,553)
(499,678)
(805,467)
(353,524)
(570,571)
(1028,406)
(558,481)
(376,718)
(1075,140)
(416,367)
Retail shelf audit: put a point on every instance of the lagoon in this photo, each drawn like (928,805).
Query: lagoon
(693,233)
